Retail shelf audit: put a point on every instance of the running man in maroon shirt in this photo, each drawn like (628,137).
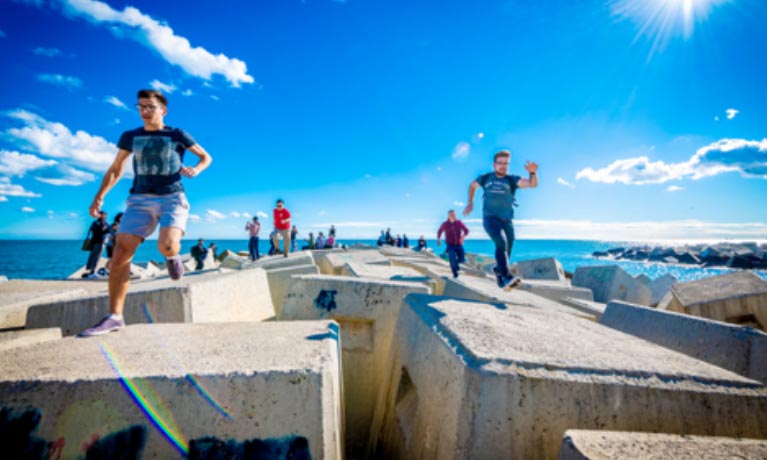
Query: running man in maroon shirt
(455,232)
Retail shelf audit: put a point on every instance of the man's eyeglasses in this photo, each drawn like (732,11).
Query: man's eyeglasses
(502,163)
(148,108)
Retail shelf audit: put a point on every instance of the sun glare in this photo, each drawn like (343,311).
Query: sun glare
(660,20)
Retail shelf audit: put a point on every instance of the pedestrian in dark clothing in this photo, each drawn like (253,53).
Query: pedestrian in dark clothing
(97,231)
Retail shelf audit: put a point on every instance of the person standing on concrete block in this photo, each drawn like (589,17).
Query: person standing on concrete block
(282,226)
(455,232)
(157,196)
(293,235)
(253,228)
(199,254)
(498,209)
(97,231)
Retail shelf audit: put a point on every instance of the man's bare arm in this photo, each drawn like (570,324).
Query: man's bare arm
(205,161)
(532,182)
(111,176)
(470,206)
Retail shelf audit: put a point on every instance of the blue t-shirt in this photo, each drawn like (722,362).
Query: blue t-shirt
(157,159)
(498,200)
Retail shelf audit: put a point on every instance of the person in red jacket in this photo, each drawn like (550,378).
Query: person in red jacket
(455,232)
(282,225)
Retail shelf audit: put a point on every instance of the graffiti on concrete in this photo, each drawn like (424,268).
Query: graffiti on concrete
(286,448)
(326,300)
(18,440)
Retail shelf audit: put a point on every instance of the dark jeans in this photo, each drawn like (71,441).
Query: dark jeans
(253,248)
(200,263)
(94,257)
(456,255)
(502,233)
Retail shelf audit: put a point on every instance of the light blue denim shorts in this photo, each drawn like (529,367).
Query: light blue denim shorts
(144,212)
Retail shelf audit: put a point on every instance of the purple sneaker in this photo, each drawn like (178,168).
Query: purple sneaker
(105,326)
(175,267)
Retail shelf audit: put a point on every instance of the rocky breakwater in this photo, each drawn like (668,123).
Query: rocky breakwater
(733,255)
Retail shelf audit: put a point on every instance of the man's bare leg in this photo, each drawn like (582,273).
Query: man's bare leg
(119,275)
(169,241)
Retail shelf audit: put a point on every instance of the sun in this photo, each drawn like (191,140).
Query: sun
(660,20)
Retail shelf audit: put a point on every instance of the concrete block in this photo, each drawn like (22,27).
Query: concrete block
(197,298)
(484,290)
(615,445)
(332,263)
(178,391)
(610,282)
(739,298)
(384,272)
(294,259)
(16,296)
(235,262)
(366,310)
(742,350)
(280,280)
(541,269)
(477,380)
(659,287)
(594,309)
(555,290)
(24,338)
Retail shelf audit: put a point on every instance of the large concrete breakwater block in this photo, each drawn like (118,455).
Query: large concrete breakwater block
(742,350)
(610,282)
(332,262)
(23,338)
(268,390)
(196,298)
(556,290)
(16,296)
(739,298)
(367,311)
(280,280)
(484,290)
(615,445)
(477,380)
(541,269)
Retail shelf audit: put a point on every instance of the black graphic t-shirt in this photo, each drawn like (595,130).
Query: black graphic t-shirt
(157,159)
(499,195)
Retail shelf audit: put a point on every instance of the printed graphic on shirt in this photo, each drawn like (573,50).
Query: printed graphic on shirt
(496,185)
(155,156)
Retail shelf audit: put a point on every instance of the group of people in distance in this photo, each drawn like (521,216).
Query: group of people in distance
(289,233)
(157,198)
(400,241)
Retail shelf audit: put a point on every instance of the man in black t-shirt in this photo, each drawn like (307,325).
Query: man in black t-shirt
(97,232)
(157,197)
(498,211)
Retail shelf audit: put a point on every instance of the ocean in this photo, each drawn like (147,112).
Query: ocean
(57,259)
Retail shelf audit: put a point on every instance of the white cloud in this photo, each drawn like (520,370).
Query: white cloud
(461,151)
(116,102)
(214,97)
(716,118)
(246,215)
(177,50)
(186,92)
(459,203)
(55,140)
(61,80)
(166,88)
(749,158)
(262,215)
(9,189)
(731,113)
(51,215)
(67,175)
(18,164)
(211,215)
(564,182)
(674,188)
(194,217)
(3,199)
(48,52)
(27,209)
(72,215)
(235,214)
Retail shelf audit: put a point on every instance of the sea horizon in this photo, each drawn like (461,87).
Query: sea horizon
(59,258)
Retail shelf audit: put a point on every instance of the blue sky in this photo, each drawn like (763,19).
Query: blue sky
(646,117)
